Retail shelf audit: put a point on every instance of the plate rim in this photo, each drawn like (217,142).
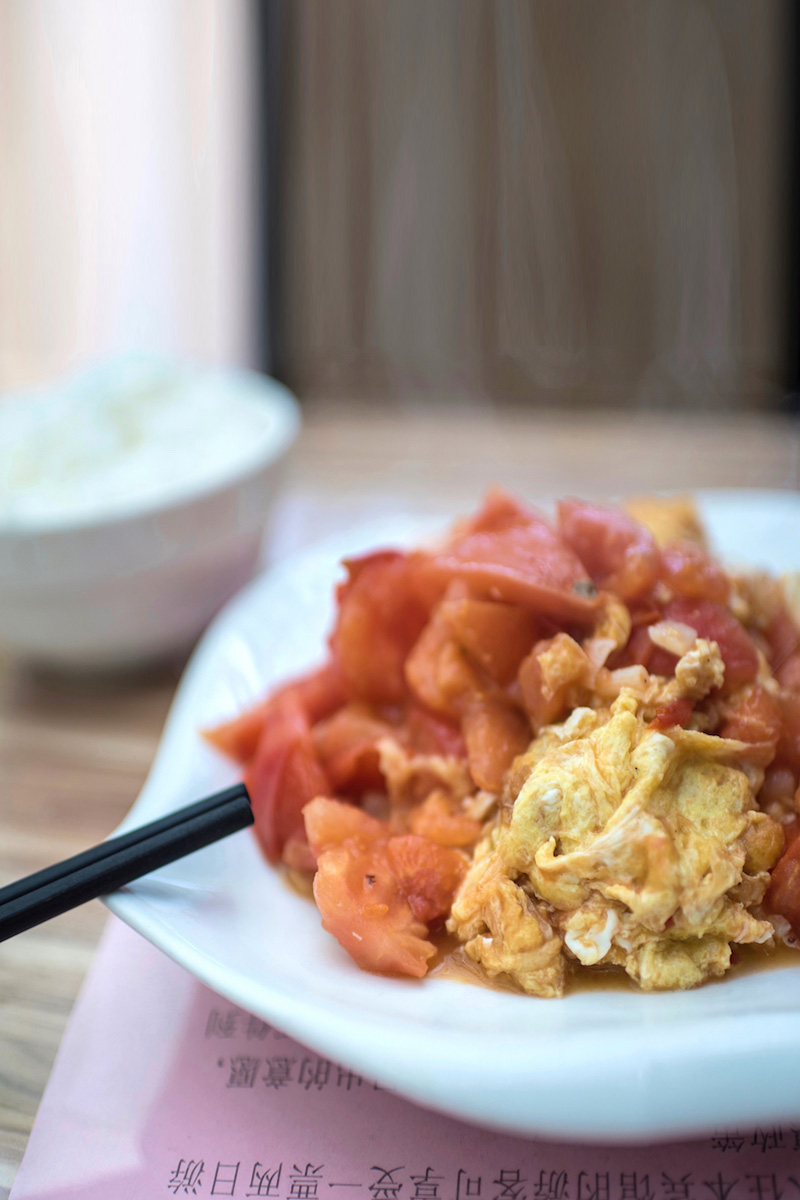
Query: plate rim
(777,1045)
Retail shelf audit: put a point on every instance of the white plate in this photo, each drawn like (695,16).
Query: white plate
(595,1065)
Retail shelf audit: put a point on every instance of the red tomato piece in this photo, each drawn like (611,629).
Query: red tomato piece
(756,719)
(239,738)
(347,747)
(783,637)
(788,752)
(778,788)
(498,512)
(331,823)
(283,776)
(428,874)
(375,892)
(642,650)
(318,693)
(676,712)
(435,819)
(542,710)
(362,906)
(791,830)
(428,733)
(688,570)
(644,616)
(715,623)
(519,563)
(438,672)
(496,636)
(783,894)
(709,620)
(660,661)
(619,553)
(355,567)
(495,733)
(381,615)
(544,701)
(788,673)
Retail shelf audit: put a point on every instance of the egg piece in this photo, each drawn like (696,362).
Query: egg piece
(669,518)
(617,844)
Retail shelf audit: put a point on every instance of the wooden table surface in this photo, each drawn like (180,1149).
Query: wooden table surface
(74,753)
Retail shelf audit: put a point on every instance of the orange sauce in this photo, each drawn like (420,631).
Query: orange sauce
(764,958)
(451,962)
(299,882)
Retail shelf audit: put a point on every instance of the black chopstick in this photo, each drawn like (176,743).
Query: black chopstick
(122,859)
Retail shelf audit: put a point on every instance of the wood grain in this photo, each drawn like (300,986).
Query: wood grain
(74,753)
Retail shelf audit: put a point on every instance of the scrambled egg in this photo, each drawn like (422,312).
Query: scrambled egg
(617,844)
(669,518)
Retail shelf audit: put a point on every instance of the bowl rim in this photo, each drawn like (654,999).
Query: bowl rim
(276,443)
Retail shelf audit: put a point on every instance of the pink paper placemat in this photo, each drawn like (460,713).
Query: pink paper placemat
(163,1089)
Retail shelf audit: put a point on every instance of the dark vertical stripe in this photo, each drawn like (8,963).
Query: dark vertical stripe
(791,401)
(269,91)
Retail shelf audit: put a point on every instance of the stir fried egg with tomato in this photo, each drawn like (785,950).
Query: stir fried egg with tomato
(570,745)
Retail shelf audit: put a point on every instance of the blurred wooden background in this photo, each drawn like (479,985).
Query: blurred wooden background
(566,201)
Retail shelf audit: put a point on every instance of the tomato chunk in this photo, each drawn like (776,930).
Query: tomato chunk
(778,789)
(496,636)
(715,623)
(347,747)
(498,512)
(435,819)
(541,708)
(330,823)
(642,650)
(688,570)
(791,828)
(545,692)
(428,874)
(381,615)
(788,673)
(756,719)
(439,673)
(239,738)
(619,553)
(495,733)
(319,693)
(709,620)
(676,712)
(788,751)
(362,906)
(375,892)
(783,894)
(519,563)
(783,637)
(283,776)
(429,733)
